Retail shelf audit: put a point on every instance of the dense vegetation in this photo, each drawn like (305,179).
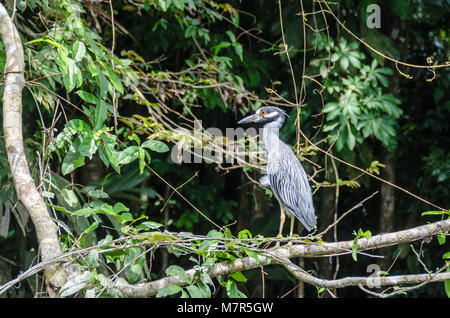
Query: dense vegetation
(111,100)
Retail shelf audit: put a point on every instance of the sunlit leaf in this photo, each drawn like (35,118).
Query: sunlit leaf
(155,145)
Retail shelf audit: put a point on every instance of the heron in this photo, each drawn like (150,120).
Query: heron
(285,174)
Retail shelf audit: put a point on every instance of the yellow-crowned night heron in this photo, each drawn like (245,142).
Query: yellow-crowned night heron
(285,174)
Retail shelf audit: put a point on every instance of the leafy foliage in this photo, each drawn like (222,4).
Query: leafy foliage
(360,109)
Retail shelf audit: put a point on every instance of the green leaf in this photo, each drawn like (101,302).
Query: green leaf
(168,290)
(120,207)
(78,51)
(232,290)
(98,194)
(113,77)
(215,234)
(236,19)
(72,160)
(92,258)
(252,254)
(435,213)
(128,155)
(125,217)
(70,197)
(164,4)
(103,84)
(244,234)
(141,156)
(355,249)
(194,292)
(344,63)
(75,284)
(133,272)
(155,145)
(238,276)
(190,30)
(87,97)
(72,76)
(88,145)
(177,271)
(109,143)
(219,46)
(101,114)
(354,61)
(441,239)
(231,35)
(149,225)
(83,212)
(92,227)
(238,50)
(351,139)
(78,125)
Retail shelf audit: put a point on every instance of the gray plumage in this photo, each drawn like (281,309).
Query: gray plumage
(285,174)
(290,185)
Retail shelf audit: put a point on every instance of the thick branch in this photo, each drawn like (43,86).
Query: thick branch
(12,123)
(375,242)
(303,250)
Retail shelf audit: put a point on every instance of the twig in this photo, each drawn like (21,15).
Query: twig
(345,213)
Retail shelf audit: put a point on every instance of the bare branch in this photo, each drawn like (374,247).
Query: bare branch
(301,275)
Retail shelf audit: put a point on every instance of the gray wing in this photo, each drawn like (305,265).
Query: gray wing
(264,180)
(288,179)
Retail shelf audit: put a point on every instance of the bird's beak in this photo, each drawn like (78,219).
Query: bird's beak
(250,119)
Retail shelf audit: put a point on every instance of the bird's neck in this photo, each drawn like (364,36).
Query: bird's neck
(271,138)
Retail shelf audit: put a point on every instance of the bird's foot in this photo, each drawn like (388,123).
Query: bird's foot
(292,238)
(277,244)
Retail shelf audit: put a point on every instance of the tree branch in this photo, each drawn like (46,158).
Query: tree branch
(26,189)
(377,281)
(279,256)
(266,257)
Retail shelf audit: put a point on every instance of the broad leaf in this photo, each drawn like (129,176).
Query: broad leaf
(128,155)
(155,145)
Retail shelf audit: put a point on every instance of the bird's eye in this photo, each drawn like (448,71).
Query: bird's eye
(263,113)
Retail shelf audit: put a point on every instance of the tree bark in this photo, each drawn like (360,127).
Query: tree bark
(26,190)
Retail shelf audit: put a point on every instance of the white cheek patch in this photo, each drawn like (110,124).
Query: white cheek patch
(270,115)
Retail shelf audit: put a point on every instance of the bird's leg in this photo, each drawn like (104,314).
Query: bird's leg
(282,219)
(291,231)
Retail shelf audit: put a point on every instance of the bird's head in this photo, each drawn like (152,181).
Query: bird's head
(267,116)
